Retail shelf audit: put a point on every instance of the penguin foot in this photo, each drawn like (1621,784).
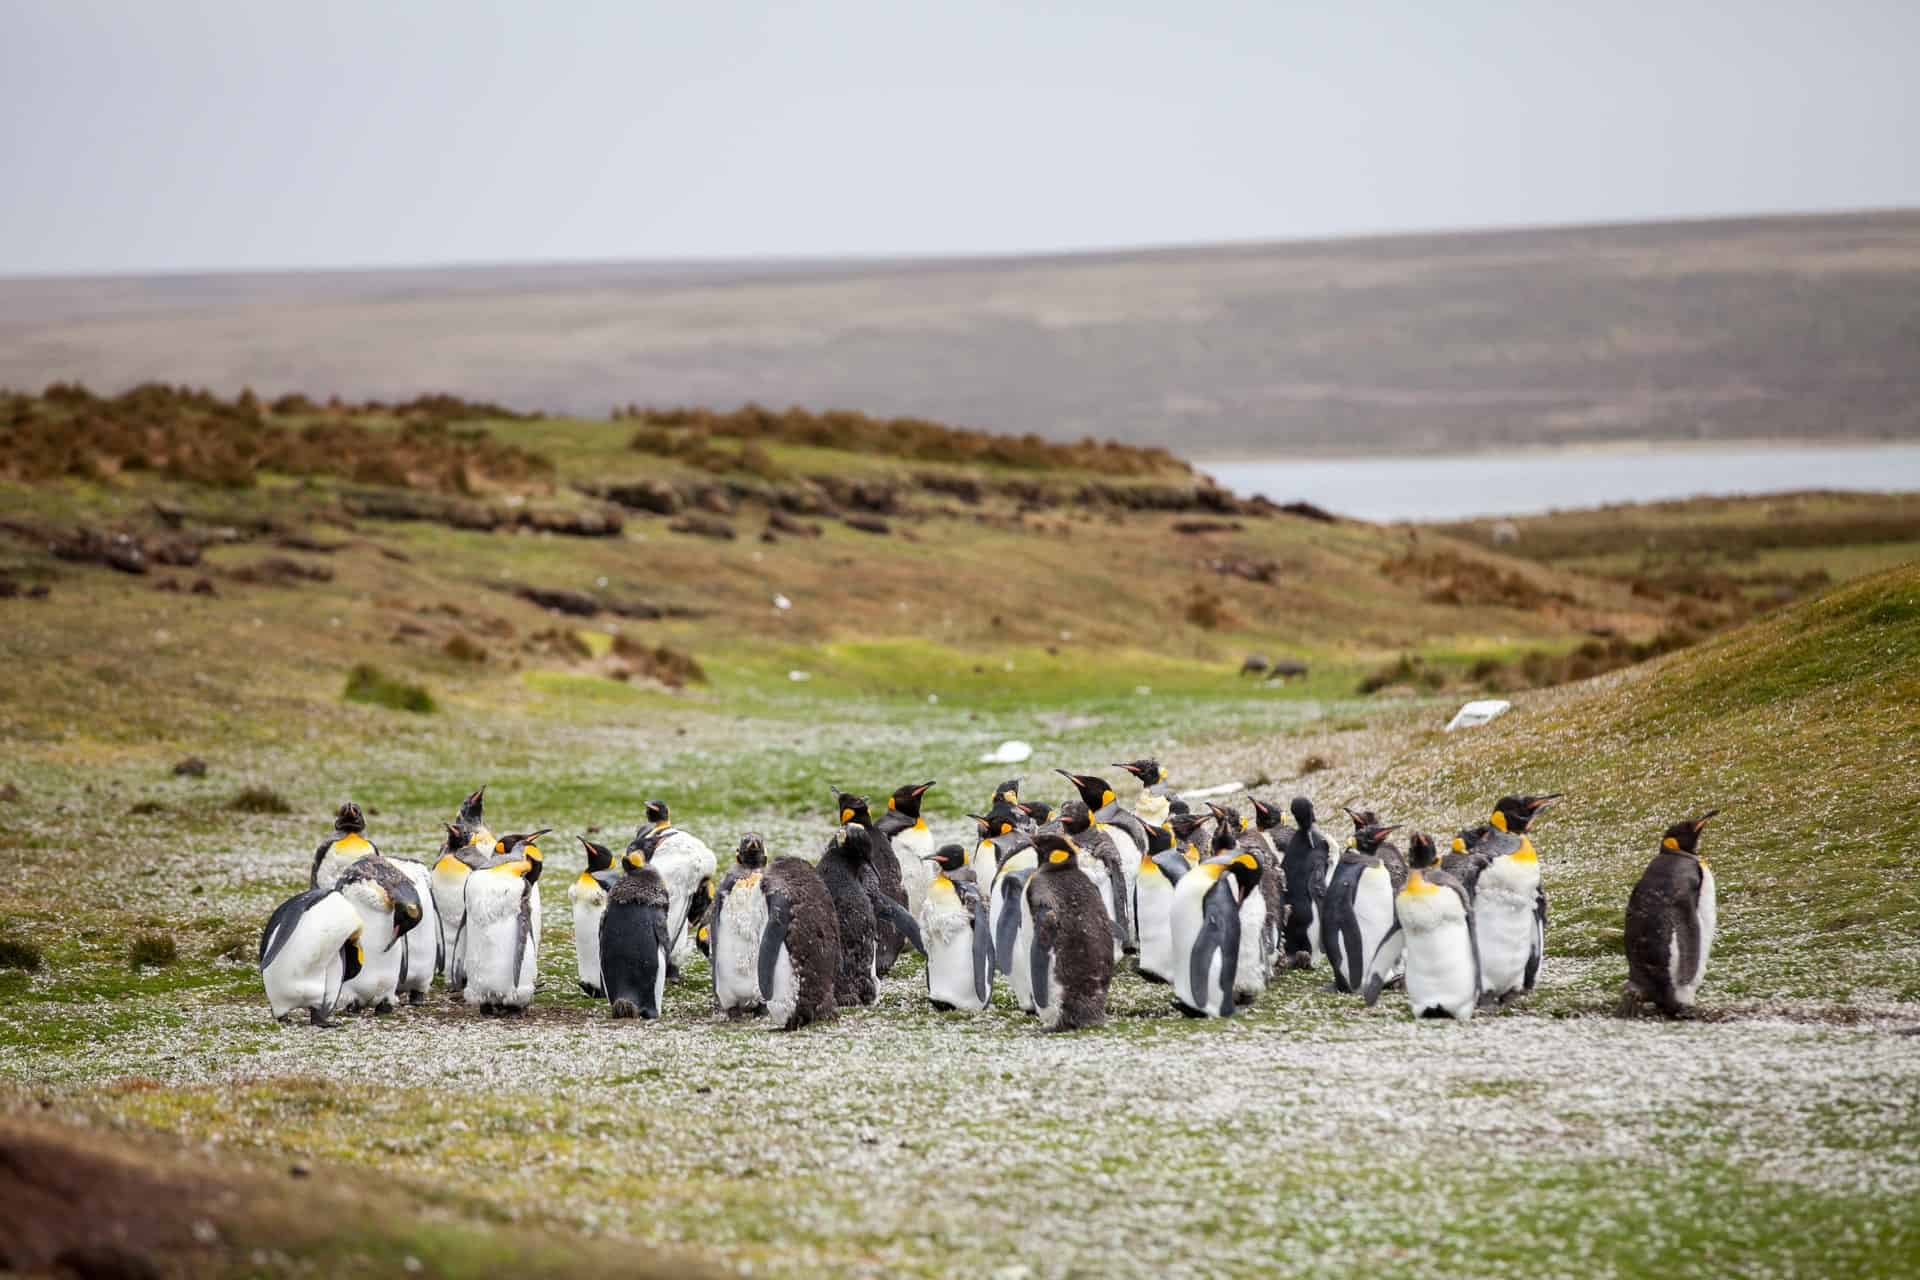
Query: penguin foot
(416,997)
(319,1017)
(588,989)
(673,972)
(1188,1010)
(384,1007)
(1512,998)
(1300,960)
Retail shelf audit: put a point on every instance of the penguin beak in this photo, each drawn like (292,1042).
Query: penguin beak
(1705,818)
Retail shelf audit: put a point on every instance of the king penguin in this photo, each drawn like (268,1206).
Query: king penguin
(1357,911)
(800,947)
(469,845)
(500,934)
(588,895)
(310,947)
(1205,923)
(887,877)
(635,944)
(1128,833)
(1070,952)
(1509,902)
(686,866)
(1268,818)
(389,909)
(1100,860)
(734,927)
(1307,866)
(912,841)
(1255,967)
(1154,803)
(1160,871)
(1432,940)
(857,902)
(347,846)
(1671,917)
(959,936)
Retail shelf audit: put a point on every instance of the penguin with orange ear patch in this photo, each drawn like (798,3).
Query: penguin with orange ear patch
(1205,921)
(1671,919)
(1509,902)
(1070,954)
(348,845)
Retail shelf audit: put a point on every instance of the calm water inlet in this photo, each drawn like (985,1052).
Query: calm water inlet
(1449,488)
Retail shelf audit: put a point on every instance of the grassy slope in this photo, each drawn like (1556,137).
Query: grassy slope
(1290,1135)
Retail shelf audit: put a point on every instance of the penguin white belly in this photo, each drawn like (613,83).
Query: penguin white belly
(1022,975)
(1055,1006)
(492,933)
(785,996)
(1250,976)
(340,855)
(1438,955)
(946,925)
(1504,920)
(589,903)
(379,975)
(1130,854)
(736,945)
(449,879)
(1153,904)
(1373,912)
(421,946)
(1184,921)
(1707,918)
(910,847)
(305,970)
(1103,884)
(683,862)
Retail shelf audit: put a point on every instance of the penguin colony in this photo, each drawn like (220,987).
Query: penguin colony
(1054,903)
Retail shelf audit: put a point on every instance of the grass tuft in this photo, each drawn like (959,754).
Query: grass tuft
(153,951)
(17,953)
(259,800)
(368,684)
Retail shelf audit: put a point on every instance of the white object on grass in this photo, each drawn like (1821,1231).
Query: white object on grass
(798,676)
(1475,713)
(1207,793)
(1012,751)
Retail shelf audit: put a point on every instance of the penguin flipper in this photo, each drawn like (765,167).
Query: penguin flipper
(1211,939)
(1387,954)
(982,952)
(281,924)
(899,917)
(773,937)
(1041,957)
(699,905)
(525,931)
(350,959)
(1009,931)
(319,856)
(1220,930)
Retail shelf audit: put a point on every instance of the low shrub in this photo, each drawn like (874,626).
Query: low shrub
(368,684)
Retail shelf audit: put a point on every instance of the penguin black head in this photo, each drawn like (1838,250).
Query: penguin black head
(635,859)
(1186,824)
(984,825)
(658,814)
(1147,770)
(1225,838)
(1265,816)
(1361,818)
(599,857)
(948,857)
(1177,805)
(528,847)
(1007,792)
(349,818)
(1228,817)
(1055,850)
(1466,840)
(1302,813)
(645,840)
(1370,837)
(906,801)
(1514,813)
(852,808)
(1075,818)
(855,839)
(1095,791)
(1684,837)
(1039,812)
(751,851)
(703,941)
(469,815)
(1004,819)
(1245,870)
(1421,852)
(1159,839)
(406,905)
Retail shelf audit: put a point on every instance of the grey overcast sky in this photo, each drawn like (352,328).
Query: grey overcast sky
(148,135)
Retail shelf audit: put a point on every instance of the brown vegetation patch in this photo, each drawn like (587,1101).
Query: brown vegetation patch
(1455,579)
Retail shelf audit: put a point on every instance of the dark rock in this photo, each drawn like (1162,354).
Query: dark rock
(278,571)
(648,495)
(704,526)
(574,603)
(574,524)
(9,589)
(191,767)
(1254,664)
(1286,668)
(104,1262)
(168,584)
(780,522)
(868,524)
(9,794)
(204,587)
(715,500)
(300,542)
(1206,526)
(39,591)
(1307,511)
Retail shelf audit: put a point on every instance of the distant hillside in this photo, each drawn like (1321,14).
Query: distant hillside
(1762,328)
